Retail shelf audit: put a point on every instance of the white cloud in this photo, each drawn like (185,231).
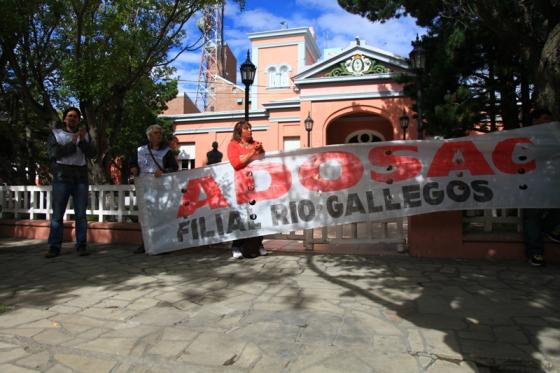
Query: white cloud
(257,20)
(334,28)
(394,35)
(319,4)
(188,58)
(188,78)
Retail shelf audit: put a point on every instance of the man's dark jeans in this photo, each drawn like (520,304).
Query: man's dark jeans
(536,222)
(60,194)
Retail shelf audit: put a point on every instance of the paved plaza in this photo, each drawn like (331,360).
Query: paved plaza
(199,310)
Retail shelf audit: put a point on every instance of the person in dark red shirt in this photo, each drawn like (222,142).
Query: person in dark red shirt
(243,149)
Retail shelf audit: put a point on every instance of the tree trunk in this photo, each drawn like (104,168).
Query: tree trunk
(508,100)
(548,74)
(98,174)
(525,99)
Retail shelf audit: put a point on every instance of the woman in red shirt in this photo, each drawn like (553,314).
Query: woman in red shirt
(242,149)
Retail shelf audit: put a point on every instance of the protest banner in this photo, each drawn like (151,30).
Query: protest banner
(340,184)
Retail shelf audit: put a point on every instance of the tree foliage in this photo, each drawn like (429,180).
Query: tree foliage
(109,57)
(487,61)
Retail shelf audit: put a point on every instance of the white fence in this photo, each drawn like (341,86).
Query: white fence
(486,221)
(117,203)
(114,203)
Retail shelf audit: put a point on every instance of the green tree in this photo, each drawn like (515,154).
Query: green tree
(111,58)
(484,58)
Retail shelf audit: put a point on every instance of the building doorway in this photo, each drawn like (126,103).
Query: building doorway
(377,236)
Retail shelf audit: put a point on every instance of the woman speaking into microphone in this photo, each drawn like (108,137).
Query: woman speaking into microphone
(242,150)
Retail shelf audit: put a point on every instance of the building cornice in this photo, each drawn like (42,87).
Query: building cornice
(353,96)
(284,119)
(372,78)
(213,116)
(292,104)
(306,31)
(192,131)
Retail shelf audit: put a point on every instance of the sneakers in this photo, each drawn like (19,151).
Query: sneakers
(536,260)
(139,250)
(52,253)
(236,253)
(554,235)
(262,251)
(82,250)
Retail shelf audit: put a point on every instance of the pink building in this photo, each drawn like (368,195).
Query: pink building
(351,95)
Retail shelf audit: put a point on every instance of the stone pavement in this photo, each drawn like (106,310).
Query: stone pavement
(200,311)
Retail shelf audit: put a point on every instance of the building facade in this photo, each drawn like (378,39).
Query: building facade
(351,94)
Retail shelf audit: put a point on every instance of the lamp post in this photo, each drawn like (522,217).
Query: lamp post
(247,70)
(418,62)
(403,120)
(308,127)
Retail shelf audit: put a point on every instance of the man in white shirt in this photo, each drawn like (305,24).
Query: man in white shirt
(69,149)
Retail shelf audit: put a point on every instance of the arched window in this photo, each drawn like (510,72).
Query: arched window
(284,76)
(278,76)
(272,75)
(364,136)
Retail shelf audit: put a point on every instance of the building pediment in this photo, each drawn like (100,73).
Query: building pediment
(358,62)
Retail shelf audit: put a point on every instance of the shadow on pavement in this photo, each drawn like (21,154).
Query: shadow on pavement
(502,316)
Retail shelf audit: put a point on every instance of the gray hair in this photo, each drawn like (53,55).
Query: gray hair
(151,128)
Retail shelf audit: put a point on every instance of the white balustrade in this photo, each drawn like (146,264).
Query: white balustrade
(117,203)
(487,221)
(114,203)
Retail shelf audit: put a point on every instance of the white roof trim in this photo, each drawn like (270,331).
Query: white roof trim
(216,129)
(352,96)
(211,116)
(375,53)
(346,78)
(231,83)
(306,31)
(282,104)
(284,119)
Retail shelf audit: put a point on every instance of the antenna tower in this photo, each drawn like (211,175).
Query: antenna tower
(212,59)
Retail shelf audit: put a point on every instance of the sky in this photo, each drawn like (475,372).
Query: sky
(334,27)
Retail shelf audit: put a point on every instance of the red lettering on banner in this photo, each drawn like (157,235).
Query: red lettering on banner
(190,202)
(470,159)
(401,167)
(280,182)
(351,171)
(502,156)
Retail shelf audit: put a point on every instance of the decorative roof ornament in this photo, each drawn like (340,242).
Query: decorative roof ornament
(358,65)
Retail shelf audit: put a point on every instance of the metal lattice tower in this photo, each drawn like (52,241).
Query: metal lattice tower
(212,59)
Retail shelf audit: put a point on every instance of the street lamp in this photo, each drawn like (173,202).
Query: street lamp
(308,127)
(418,62)
(403,120)
(247,70)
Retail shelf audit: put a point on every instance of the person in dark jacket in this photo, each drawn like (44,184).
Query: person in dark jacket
(214,156)
(154,158)
(69,149)
(539,223)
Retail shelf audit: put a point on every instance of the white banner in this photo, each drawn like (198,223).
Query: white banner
(339,184)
